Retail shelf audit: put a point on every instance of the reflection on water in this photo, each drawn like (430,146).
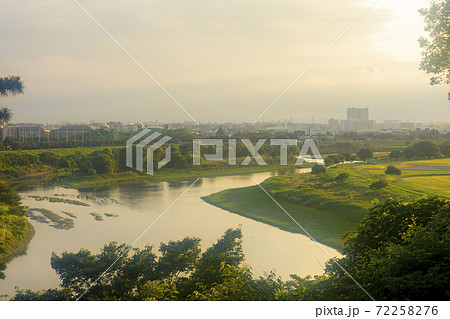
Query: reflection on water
(138,205)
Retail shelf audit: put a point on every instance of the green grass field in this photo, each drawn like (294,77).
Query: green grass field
(328,209)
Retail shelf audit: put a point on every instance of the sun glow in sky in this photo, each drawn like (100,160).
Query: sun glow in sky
(222,60)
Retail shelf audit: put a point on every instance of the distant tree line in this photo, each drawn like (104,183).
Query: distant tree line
(112,160)
(422,149)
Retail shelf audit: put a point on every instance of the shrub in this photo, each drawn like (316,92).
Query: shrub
(318,169)
(342,177)
(348,157)
(334,159)
(329,161)
(381,183)
(8,195)
(103,164)
(49,158)
(64,163)
(392,170)
(395,154)
(365,154)
(445,148)
(11,172)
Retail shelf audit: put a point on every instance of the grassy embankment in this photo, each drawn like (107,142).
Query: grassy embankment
(15,234)
(328,209)
(15,230)
(80,181)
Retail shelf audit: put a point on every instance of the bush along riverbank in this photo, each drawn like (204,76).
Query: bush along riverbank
(15,230)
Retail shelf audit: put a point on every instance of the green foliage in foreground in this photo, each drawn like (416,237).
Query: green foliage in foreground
(15,231)
(436,47)
(400,251)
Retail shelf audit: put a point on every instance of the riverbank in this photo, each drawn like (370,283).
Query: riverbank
(251,202)
(328,207)
(85,181)
(18,247)
(15,230)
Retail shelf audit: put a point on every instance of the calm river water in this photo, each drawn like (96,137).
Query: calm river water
(138,205)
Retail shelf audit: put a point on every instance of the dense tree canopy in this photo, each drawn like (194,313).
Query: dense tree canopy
(422,149)
(365,154)
(318,169)
(436,48)
(10,85)
(392,170)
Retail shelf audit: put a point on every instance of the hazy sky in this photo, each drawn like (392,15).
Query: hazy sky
(223,60)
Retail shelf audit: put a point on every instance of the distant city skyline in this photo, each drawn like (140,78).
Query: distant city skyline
(223,61)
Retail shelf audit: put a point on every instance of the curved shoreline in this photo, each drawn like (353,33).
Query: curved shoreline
(18,249)
(257,206)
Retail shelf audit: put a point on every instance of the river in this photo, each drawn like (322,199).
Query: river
(137,206)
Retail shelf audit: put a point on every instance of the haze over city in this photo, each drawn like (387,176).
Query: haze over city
(223,61)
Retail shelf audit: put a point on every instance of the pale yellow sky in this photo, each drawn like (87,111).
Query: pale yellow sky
(222,60)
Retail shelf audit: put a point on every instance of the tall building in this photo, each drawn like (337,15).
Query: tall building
(357,114)
(333,123)
(357,120)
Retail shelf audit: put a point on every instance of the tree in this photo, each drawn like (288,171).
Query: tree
(396,154)
(392,170)
(348,157)
(364,154)
(11,85)
(228,250)
(329,161)
(436,48)
(342,177)
(5,117)
(445,148)
(381,183)
(178,257)
(423,149)
(49,158)
(318,169)
(103,164)
(334,159)
(401,251)
(178,273)
(8,196)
